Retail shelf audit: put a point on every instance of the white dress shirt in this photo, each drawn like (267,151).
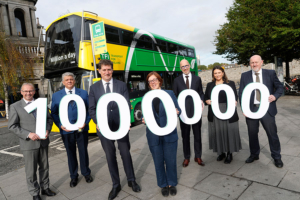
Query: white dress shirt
(254,81)
(68,91)
(27,103)
(110,85)
(190,79)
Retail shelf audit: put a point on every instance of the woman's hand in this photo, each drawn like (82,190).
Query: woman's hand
(177,111)
(235,103)
(208,102)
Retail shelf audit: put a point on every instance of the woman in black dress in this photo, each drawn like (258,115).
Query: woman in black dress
(224,135)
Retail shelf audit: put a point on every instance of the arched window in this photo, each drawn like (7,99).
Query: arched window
(20,23)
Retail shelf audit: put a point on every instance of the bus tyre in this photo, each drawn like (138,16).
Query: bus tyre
(138,113)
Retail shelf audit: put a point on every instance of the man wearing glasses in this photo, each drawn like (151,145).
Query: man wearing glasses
(35,150)
(189,81)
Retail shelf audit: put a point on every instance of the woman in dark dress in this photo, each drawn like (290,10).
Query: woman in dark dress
(224,135)
(163,148)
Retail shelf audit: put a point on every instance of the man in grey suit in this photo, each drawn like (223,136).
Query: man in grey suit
(35,150)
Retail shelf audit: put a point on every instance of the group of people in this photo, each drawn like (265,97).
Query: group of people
(224,137)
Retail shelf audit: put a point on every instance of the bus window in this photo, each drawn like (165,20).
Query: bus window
(191,53)
(145,42)
(86,80)
(173,48)
(127,37)
(182,51)
(87,35)
(112,34)
(136,81)
(162,45)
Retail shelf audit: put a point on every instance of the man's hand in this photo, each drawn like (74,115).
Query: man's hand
(244,115)
(235,103)
(143,121)
(272,98)
(82,126)
(33,136)
(47,134)
(129,126)
(98,128)
(208,102)
(64,128)
(202,104)
(177,111)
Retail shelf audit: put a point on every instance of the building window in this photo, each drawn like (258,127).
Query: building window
(20,23)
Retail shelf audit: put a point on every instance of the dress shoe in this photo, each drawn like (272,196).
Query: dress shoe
(114,192)
(173,190)
(221,157)
(48,192)
(165,191)
(278,163)
(135,187)
(73,182)
(37,197)
(199,161)
(88,178)
(251,159)
(228,158)
(186,162)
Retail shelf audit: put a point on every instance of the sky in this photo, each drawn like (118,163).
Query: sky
(193,22)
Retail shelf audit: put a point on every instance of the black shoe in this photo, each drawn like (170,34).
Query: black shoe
(228,159)
(135,187)
(88,178)
(278,163)
(165,191)
(73,182)
(221,157)
(252,158)
(48,192)
(37,197)
(173,190)
(114,192)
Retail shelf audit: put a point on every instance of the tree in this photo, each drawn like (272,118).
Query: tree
(15,68)
(265,27)
(202,67)
(211,66)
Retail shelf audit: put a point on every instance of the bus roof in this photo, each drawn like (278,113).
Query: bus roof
(116,24)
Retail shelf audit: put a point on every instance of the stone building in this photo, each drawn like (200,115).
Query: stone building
(18,21)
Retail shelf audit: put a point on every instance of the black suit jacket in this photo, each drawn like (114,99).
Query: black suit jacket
(113,116)
(207,96)
(270,80)
(179,85)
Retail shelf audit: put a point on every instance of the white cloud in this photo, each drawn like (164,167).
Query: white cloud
(191,21)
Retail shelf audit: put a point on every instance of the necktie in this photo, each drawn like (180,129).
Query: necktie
(34,111)
(72,102)
(257,91)
(107,88)
(187,82)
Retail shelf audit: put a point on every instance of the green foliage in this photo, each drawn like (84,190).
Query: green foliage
(202,67)
(211,66)
(15,67)
(265,27)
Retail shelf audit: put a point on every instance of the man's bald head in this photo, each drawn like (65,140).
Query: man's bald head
(256,62)
(185,66)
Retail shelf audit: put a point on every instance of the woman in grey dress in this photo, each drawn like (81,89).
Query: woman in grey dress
(224,135)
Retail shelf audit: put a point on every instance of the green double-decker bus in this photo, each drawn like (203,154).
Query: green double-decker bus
(133,51)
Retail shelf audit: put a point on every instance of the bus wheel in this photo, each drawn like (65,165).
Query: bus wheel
(138,113)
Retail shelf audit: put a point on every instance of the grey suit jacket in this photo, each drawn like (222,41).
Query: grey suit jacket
(22,123)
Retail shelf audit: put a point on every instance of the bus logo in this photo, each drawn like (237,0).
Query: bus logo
(98,29)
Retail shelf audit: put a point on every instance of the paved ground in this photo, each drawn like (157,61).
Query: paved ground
(258,180)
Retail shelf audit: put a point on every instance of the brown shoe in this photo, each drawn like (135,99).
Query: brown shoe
(199,161)
(186,162)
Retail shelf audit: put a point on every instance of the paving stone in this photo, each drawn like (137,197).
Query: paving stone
(268,174)
(223,168)
(291,163)
(101,193)
(22,196)
(214,198)
(260,191)
(192,177)
(183,193)
(291,181)
(286,149)
(2,196)
(242,155)
(12,178)
(223,186)
(15,189)
(130,197)
(148,185)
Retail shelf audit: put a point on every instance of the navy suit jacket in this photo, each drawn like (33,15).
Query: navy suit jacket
(179,85)
(72,108)
(113,116)
(161,120)
(270,80)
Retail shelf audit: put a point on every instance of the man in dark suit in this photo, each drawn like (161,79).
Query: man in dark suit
(190,81)
(34,149)
(70,138)
(106,85)
(269,79)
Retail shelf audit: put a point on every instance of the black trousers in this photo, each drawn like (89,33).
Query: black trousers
(70,140)
(185,133)
(110,152)
(270,127)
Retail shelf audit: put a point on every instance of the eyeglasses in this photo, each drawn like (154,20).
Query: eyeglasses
(153,81)
(29,91)
(184,67)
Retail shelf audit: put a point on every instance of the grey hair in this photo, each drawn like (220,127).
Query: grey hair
(27,84)
(67,74)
